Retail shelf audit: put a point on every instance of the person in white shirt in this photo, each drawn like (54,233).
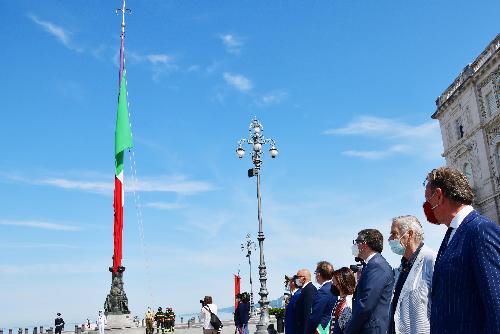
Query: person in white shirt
(207,307)
(101,321)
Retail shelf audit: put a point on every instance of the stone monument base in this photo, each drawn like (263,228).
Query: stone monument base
(119,321)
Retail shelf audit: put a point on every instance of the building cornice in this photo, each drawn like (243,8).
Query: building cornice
(490,52)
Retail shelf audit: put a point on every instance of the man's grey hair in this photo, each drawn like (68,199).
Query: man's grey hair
(407,223)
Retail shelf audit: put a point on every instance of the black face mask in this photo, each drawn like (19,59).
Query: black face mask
(335,291)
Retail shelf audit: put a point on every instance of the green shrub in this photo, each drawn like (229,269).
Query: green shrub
(277,311)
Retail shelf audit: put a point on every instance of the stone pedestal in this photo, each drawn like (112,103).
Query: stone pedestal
(116,304)
(119,321)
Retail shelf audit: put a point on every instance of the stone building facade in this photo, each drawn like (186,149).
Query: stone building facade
(469,117)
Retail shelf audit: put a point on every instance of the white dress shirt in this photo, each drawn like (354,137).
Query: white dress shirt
(205,315)
(370,257)
(459,218)
(306,284)
(325,283)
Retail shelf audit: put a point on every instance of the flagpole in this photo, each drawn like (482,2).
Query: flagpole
(123,10)
(116,305)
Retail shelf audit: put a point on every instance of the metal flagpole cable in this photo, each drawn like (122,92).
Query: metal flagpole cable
(123,10)
(138,208)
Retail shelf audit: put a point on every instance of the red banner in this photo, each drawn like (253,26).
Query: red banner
(237,281)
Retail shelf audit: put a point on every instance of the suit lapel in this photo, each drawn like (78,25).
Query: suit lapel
(368,266)
(443,249)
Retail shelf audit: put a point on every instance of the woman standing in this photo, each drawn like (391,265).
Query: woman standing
(207,308)
(343,285)
(242,313)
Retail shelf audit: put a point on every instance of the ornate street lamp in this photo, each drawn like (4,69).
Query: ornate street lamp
(249,246)
(257,141)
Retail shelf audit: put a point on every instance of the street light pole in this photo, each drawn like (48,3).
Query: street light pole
(257,140)
(249,245)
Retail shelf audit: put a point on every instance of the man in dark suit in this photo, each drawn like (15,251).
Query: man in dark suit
(324,300)
(466,280)
(372,297)
(290,308)
(305,300)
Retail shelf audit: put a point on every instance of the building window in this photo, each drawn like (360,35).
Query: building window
(468,173)
(459,128)
(497,153)
(491,104)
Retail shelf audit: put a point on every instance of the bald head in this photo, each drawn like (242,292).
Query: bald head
(304,276)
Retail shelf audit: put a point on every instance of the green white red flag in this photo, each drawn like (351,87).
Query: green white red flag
(123,141)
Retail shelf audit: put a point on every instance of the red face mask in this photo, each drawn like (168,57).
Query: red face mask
(429,213)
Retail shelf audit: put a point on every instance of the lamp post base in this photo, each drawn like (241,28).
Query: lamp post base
(262,329)
(262,326)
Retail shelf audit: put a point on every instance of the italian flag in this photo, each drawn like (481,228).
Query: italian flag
(123,140)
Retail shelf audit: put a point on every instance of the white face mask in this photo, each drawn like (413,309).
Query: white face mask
(355,250)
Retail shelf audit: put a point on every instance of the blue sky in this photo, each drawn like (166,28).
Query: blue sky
(346,88)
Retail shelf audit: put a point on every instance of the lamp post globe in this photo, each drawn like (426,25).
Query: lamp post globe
(240,152)
(274,152)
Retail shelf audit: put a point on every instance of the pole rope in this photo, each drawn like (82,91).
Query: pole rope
(138,209)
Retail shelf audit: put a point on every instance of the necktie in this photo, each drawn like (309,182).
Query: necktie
(446,239)
(444,244)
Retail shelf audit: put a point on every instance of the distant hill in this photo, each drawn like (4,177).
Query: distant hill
(273,303)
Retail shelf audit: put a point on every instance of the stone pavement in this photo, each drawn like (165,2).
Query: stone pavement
(229,328)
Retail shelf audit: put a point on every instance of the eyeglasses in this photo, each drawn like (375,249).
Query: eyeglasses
(357,241)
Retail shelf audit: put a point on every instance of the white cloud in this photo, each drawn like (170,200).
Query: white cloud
(367,125)
(40,225)
(50,268)
(238,81)
(160,63)
(58,32)
(175,184)
(421,139)
(153,59)
(91,186)
(376,154)
(30,245)
(159,58)
(272,98)
(232,43)
(164,205)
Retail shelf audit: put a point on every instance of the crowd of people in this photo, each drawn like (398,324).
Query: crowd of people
(456,290)
(165,321)
(453,290)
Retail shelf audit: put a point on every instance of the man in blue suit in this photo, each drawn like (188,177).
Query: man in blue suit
(305,300)
(372,297)
(323,302)
(290,308)
(466,280)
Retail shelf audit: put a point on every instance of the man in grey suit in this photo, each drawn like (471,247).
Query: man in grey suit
(411,299)
(372,297)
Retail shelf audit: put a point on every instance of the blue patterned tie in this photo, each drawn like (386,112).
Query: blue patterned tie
(446,239)
(444,244)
